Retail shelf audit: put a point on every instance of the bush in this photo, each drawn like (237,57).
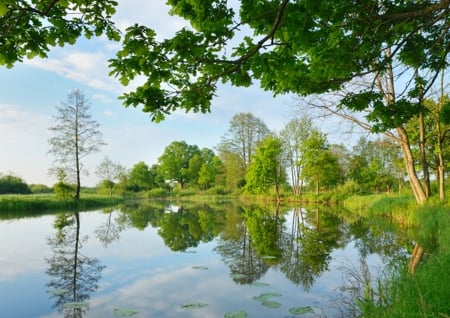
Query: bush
(157,193)
(220,190)
(63,190)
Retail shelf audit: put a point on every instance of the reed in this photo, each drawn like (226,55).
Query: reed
(41,203)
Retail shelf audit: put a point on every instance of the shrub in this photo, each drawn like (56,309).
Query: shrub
(63,190)
(157,193)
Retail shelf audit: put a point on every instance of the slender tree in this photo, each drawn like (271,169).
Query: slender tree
(242,138)
(75,136)
(109,171)
(296,131)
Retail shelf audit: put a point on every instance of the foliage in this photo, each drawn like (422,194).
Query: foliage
(335,43)
(63,190)
(140,178)
(293,135)
(30,28)
(174,162)
(75,136)
(13,185)
(40,188)
(321,167)
(267,169)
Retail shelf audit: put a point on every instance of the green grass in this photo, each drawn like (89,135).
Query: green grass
(36,204)
(425,293)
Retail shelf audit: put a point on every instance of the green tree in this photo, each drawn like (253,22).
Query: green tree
(299,47)
(296,131)
(174,162)
(13,184)
(140,177)
(242,138)
(321,167)
(267,168)
(31,28)
(76,135)
(375,164)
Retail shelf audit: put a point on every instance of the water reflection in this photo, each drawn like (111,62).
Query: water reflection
(252,243)
(73,276)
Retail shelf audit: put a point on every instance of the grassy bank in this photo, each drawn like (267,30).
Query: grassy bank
(48,202)
(425,293)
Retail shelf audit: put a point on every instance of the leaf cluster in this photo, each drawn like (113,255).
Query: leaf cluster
(30,28)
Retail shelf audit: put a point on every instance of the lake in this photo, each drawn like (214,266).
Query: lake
(191,260)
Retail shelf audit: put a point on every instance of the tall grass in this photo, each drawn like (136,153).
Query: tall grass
(425,293)
(11,204)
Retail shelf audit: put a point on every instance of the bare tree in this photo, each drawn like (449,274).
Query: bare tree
(76,135)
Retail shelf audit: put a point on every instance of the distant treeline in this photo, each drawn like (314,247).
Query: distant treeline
(10,184)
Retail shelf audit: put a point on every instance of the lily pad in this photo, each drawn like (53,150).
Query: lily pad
(236,314)
(194,305)
(266,296)
(271,304)
(75,305)
(57,291)
(260,284)
(301,310)
(125,312)
(200,267)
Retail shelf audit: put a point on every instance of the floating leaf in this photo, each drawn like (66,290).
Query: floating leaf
(57,291)
(236,314)
(260,284)
(194,305)
(266,296)
(301,310)
(200,267)
(125,312)
(75,305)
(271,304)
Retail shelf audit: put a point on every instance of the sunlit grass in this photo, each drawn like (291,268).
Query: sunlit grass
(36,203)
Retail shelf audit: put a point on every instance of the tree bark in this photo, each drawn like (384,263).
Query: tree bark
(416,186)
(416,257)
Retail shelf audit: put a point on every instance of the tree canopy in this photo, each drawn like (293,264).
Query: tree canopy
(299,47)
(31,28)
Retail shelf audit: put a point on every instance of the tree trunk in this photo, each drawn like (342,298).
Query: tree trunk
(416,186)
(423,159)
(441,171)
(416,257)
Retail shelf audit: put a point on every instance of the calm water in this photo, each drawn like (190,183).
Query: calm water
(186,261)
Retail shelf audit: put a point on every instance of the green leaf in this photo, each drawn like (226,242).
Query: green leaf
(266,296)
(301,310)
(193,305)
(200,267)
(271,304)
(3,9)
(125,312)
(236,314)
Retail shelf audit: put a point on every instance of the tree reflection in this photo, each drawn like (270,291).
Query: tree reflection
(109,231)
(237,252)
(73,276)
(187,227)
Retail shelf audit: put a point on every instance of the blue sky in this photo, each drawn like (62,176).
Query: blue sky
(31,90)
